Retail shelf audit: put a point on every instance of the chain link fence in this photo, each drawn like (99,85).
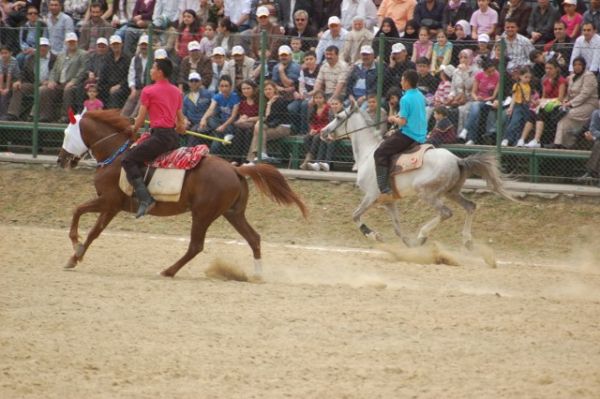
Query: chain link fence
(505,95)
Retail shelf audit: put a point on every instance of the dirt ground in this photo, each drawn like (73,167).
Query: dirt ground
(336,316)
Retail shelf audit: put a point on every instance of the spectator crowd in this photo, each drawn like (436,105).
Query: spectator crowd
(320,56)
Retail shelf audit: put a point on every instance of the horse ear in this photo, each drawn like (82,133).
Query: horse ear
(71,114)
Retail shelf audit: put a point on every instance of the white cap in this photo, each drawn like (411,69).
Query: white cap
(483,38)
(334,21)
(238,50)
(44,41)
(115,39)
(285,50)
(71,36)
(448,70)
(193,46)
(143,39)
(194,76)
(160,54)
(102,40)
(398,48)
(366,50)
(262,11)
(218,51)
(571,2)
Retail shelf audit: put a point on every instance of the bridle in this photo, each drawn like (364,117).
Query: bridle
(345,123)
(70,157)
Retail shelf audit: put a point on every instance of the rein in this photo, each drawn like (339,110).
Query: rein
(115,154)
(348,133)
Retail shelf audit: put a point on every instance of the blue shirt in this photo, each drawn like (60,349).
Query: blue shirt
(412,108)
(292,71)
(225,105)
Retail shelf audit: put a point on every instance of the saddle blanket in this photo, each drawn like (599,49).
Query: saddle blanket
(411,160)
(168,171)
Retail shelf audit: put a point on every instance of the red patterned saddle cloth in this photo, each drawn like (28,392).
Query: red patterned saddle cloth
(181,158)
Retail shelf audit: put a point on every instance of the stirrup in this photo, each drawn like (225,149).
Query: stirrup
(144,208)
(385,198)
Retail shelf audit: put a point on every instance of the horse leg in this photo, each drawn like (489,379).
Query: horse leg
(93,205)
(200,224)
(240,223)
(364,205)
(101,222)
(469,207)
(444,213)
(393,211)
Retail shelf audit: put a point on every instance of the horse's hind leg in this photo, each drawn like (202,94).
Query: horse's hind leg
(469,207)
(444,213)
(240,223)
(201,220)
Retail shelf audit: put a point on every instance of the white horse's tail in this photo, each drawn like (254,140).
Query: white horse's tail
(485,165)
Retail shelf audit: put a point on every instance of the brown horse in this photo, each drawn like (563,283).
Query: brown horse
(211,189)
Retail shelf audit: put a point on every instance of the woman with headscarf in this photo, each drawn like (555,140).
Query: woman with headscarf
(581,100)
(462,85)
(390,33)
(455,11)
(461,38)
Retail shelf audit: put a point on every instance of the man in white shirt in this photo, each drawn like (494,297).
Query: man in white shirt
(334,36)
(518,47)
(136,78)
(587,46)
(362,8)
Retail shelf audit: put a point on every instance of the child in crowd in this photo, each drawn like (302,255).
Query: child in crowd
(572,19)
(444,131)
(9,73)
(483,49)
(519,107)
(297,53)
(93,103)
(312,141)
(423,47)
(441,53)
(306,88)
(484,19)
(539,64)
(372,112)
(248,116)
(209,38)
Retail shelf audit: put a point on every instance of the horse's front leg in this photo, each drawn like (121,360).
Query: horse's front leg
(365,204)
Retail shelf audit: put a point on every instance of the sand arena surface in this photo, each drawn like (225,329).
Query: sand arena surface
(327,322)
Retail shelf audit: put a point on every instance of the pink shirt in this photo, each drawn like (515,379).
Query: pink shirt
(93,105)
(163,100)
(572,23)
(487,84)
(484,22)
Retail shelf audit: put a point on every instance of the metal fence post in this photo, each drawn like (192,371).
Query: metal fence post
(36,92)
(261,96)
(380,71)
(500,115)
(150,59)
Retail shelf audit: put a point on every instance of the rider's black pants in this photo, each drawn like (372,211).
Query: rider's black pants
(394,144)
(160,141)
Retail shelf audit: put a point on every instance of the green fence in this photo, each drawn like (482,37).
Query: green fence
(279,130)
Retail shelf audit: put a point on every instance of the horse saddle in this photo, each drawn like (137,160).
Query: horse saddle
(164,176)
(409,160)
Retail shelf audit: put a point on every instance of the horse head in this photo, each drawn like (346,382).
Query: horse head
(73,146)
(340,119)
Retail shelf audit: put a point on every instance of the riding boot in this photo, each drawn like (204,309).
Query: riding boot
(383,179)
(146,202)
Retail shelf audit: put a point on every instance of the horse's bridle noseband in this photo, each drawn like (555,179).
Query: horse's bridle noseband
(345,123)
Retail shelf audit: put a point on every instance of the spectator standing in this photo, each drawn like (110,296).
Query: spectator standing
(484,19)
(112,83)
(273,35)
(23,86)
(59,24)
(390,32)
(27,39)
(241,67)
(430,13)
(94,28)
(304,30)
(400,11)
(581,100)
(136,78)
(332,74)
(356,39)
(518,11)
(572,19)
(587,46)
(362,79)
(454,11)
(358,8)
(334,36)
(189,30)
(518,47)
(592,15)
(67,73)
(541,22)
(9,73)
(238,12)
(195,61)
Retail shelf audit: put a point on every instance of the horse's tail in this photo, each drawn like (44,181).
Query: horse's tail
(273,184)
(485,165)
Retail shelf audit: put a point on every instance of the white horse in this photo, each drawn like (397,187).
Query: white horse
(442,175)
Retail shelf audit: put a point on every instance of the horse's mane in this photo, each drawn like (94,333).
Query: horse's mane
(111,118)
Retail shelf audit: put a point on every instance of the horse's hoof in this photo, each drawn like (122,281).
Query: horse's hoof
(421,241)
(407,242)
(375,236)
(166,273)
(71,264)
(79,251)
(469,245)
